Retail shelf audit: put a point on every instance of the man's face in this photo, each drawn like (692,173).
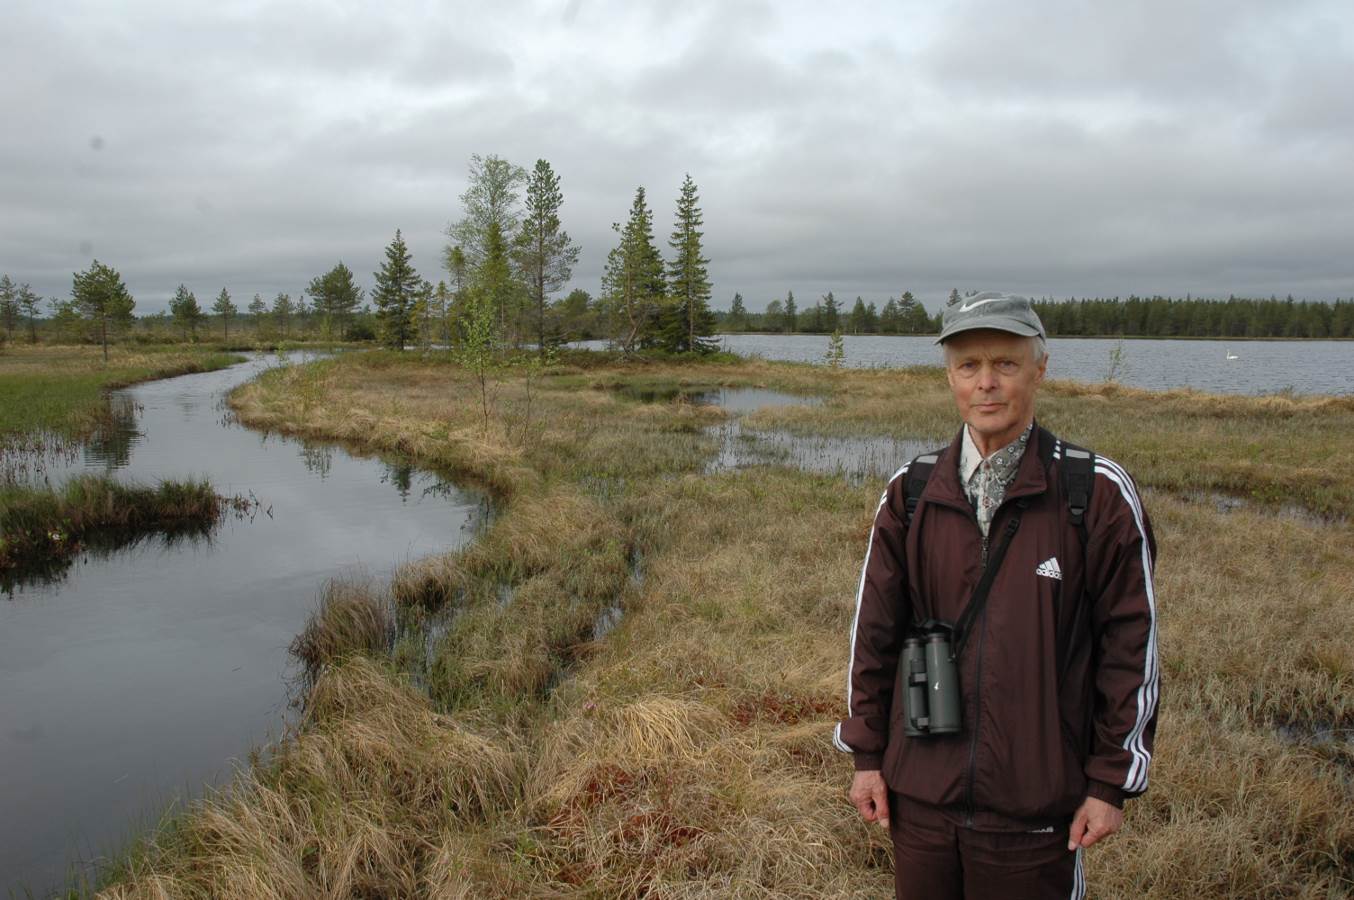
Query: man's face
(993,376)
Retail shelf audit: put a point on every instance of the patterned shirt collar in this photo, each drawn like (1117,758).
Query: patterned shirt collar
(985,480)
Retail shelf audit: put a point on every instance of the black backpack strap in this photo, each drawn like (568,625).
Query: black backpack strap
(918,473)
(1078,475)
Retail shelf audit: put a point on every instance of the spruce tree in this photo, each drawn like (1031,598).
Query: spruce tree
(687,321)
(831,313)
(791,314)
(396,294)
(225,309)
(888,319)
(859,317)
(633,280)
(738,314)
(543,251)
(9,305)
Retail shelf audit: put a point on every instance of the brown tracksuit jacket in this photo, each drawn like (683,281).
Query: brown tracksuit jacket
(1059,677)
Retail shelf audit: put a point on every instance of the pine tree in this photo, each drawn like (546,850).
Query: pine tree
(102,299)
(396,293)
(225,309)
(575,315)
(791,313)
(282,313)
(687,322)
(335,296)
(543,251)
(257,309)
(28,305)
(836,350)
(633,280)
(187,314)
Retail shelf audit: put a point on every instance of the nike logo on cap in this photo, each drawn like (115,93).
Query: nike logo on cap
(977,303)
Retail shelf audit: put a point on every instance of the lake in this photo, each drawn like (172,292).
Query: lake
(1261,367)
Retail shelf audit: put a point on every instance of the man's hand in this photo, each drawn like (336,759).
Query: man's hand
(871,797)
(1095,819)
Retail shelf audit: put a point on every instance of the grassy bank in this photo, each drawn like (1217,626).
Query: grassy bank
(41,529)
(60,390)
(474,731)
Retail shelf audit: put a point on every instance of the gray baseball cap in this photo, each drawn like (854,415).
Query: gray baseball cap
(1001,312)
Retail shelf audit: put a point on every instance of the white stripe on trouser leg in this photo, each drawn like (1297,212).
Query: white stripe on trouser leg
(1078,879)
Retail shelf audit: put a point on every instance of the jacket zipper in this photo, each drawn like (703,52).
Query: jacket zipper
(970,803)
(977,701)
(981,624)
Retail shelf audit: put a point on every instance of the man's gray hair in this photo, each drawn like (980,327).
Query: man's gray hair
(1040,347)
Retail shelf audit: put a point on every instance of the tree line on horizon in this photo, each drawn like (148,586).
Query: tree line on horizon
(1157,316)
(507,259)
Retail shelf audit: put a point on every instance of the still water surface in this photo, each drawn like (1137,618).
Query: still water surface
(1260,367)
(142,675)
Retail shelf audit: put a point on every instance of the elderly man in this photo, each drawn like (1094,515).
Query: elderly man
(1012,574)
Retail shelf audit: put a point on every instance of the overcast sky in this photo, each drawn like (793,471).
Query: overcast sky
(1051,148)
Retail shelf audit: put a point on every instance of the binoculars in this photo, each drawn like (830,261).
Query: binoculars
(930,686)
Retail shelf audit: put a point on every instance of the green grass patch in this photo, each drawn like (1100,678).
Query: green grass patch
(61,390)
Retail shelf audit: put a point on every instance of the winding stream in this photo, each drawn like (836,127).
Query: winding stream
(135,678)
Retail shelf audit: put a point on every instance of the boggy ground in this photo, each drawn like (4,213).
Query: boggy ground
(57,392)
(53,399)
(470,733)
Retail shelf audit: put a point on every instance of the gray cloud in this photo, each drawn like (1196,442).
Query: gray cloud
(1057,147)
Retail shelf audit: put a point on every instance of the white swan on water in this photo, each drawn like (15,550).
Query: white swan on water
(1231,355)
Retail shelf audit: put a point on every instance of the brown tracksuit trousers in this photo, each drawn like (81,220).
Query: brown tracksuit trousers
(936,859)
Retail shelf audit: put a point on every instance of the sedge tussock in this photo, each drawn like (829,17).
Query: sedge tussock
(352,617)
(346,808)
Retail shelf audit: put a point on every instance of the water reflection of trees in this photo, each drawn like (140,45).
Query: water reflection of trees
(115,434)
(100,545)
(401,475)
(318,459)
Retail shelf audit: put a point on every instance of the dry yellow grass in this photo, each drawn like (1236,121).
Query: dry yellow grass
(687,754)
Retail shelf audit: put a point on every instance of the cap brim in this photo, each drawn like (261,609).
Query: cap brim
(996,323)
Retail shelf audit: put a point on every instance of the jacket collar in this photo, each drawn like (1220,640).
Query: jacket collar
(944,487)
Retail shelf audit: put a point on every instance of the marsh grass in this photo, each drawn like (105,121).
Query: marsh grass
(40,528)
(688,753)
(60,390)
